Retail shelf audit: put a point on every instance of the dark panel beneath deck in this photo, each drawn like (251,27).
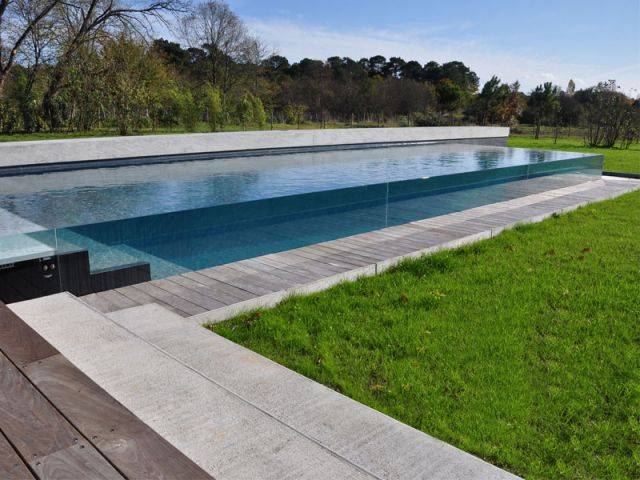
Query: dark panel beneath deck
(65,272)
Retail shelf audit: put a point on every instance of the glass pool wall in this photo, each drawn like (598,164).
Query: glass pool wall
(178,242)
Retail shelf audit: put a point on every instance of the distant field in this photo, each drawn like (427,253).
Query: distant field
(615,159)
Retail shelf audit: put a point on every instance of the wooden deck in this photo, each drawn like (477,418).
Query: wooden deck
(217,293)
(56,423)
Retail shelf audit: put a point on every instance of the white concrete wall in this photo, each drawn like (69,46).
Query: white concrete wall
(84,149)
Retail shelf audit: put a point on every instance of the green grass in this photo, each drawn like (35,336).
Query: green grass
(615,159)
(523,349)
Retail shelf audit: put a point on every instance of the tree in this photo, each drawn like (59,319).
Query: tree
(394,67)
(544,104)
(258,113)
(132,76)
(606,112)
(19,22)
(412,70)
(295,113)
(213,107)
(569,110)
(461,75)
(489,100)
(244,110)
(450,96)
(376,66)
(225,38)
(84,22)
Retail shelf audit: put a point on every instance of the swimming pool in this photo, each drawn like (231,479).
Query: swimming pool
(190,215)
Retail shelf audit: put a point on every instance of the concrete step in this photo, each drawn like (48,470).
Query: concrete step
(219,430)
(362,436)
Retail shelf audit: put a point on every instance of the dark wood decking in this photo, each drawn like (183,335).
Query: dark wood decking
(219,292)
(56,423)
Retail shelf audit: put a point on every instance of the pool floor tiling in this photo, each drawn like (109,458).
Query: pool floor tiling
(179,242)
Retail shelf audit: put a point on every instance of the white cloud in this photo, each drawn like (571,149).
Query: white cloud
(298,40)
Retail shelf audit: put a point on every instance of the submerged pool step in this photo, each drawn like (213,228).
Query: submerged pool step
(235,413)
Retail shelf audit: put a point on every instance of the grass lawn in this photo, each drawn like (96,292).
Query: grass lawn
(523,349)
(615,159)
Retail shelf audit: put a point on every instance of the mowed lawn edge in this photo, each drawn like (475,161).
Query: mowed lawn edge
(615,159)
(523,349)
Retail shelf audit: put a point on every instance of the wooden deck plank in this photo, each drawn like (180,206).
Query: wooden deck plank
(133,447)
(309,271)
(341,256)
(295,277)
(188,293)
(384,247)
(98,302)
(109,301)
(41,435)
(169,298)
(359,258)
(258,277)
(409,241)
(334,258)
(350,247)
(65,425)
(325,264)
(239,280)
(11,465)
(204,289)
(19,341)
(218,286)
(142,298)
(118,300)
(256,268)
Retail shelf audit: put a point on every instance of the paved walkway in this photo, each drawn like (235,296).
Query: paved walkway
(221,292)
(236,414)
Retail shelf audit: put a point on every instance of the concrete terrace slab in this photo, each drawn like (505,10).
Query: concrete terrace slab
(375,442)
(233,412)
(221,292)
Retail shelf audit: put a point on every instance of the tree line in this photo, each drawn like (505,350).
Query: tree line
(79,65)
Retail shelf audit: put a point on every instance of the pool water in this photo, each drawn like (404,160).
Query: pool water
(191,215)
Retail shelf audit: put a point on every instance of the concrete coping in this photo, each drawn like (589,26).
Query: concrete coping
(17,154)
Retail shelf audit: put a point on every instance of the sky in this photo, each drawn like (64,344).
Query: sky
(526,40)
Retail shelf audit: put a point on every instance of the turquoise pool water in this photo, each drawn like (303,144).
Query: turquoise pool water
(192,215)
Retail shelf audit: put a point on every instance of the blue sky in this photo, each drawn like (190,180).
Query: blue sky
(532,41)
